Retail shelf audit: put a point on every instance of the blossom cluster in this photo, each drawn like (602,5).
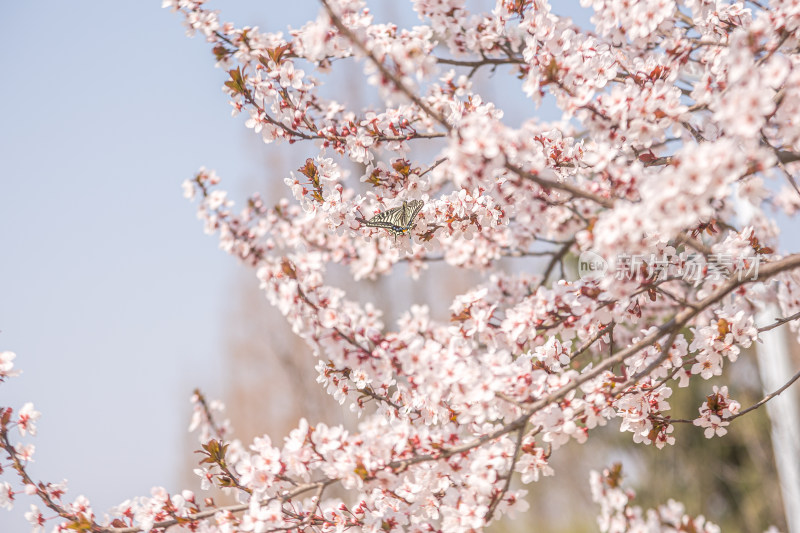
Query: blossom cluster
(618,514)
(716,411)
(675,117)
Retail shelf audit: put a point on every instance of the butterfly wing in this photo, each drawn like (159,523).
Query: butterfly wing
(410,211)
(388,220)
(397,220)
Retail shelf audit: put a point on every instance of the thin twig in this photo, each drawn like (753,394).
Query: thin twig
(555,259)
(780,322)
(574,190)
(434,165)
(753,407)
(766,398)
(499,497)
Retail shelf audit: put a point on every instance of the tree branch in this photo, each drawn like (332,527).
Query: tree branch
(381,67)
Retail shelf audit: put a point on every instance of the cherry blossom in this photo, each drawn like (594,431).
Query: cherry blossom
(27,418)
(715,412)
(618,514)
(676,117)
(6,496)
(35,517)
(7,365)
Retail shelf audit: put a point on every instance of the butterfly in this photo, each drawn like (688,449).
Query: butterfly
(398,220)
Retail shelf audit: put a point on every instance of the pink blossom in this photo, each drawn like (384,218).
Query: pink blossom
(7,365)
(6,496)
(27,418)
(36,519)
